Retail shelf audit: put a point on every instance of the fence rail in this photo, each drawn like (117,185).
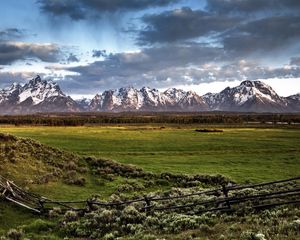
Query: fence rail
(222,199)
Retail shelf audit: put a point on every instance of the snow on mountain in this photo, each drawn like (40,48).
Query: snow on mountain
(152,98)
(36,95)
(295,97)
(117,100)
(191,101)
(147,99)
(294,102)
(46,96)
(10,93)
(174,95)
(57,103)
(96,103)
(248,96)
(84,103)
(39,90)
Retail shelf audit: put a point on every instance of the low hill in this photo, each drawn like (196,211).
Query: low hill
(31,163)
(28,161)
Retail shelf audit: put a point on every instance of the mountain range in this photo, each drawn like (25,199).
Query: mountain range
(46,96)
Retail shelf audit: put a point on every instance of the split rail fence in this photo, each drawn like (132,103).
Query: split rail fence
(225,198)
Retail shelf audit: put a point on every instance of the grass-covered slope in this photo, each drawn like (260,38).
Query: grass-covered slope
(30,162)
(242,154)
(34,164)
(62,175)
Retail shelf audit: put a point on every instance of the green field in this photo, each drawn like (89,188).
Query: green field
(243,154)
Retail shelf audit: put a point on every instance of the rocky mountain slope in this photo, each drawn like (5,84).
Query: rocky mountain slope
(146,99)
(249,96)
(294,102)
(35,96)
(45,96)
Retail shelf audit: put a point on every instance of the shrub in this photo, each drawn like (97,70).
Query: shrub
(248,235)
(125,188)
(130,186)
(71,216)
(55,212)
(109,236)
(72,178)
(131,215)
(45,179)
(14,234)
(291,228)
(7,138)
(106,216)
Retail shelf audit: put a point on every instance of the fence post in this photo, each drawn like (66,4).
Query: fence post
(41,207)
(89,204)
(225,192)
(147,205)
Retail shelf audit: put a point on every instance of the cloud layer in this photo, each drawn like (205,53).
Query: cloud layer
(159,43)
(182,24)
(14,51)
(170,66)
(82,9)
(11,34)
(252,6)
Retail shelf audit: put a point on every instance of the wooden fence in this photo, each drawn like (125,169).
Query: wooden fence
(266,195)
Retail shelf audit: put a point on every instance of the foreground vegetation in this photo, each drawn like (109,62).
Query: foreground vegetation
(64,169)
(62,175)
(66,176)
(242,154)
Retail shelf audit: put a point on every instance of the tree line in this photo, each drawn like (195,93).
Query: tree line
(65,119)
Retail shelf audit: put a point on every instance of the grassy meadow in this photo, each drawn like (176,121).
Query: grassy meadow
(242,154)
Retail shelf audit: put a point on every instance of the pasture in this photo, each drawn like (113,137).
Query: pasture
(242,154)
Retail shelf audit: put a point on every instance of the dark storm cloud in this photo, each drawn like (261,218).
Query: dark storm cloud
(71,8)
(252,6)
(166,67)
(12,34)
(14,51)
(150,60)
(150,66)
(81,9)
(264,35)
(242,35)
(181,24)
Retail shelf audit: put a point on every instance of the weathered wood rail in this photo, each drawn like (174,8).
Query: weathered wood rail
(12,193)
(223,198)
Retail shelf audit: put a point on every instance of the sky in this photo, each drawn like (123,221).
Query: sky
(89,46)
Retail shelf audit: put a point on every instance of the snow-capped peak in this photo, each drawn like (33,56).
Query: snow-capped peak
(175,94)
(254,89)
(45,96)
(132,99)
(38,90)
(249,95)
(35,96)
